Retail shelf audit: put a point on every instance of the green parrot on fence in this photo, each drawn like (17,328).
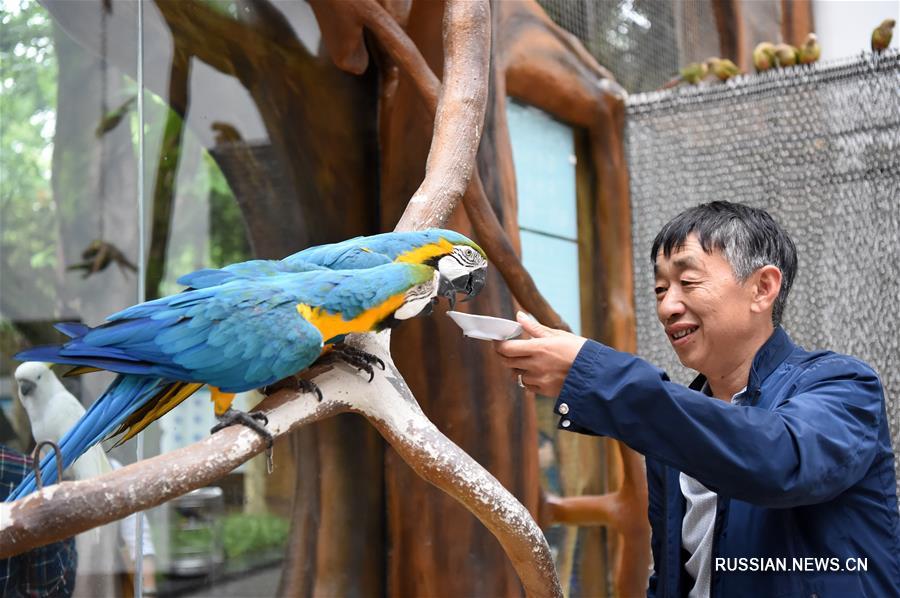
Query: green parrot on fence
(249,325)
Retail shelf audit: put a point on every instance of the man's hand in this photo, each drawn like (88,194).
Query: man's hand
(544,360)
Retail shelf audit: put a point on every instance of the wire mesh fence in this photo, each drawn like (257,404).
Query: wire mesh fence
(634,39)
(817,146)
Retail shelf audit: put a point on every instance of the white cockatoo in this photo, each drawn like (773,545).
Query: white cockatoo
(53,411)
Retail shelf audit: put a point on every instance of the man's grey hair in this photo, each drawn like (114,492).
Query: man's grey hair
(749,238)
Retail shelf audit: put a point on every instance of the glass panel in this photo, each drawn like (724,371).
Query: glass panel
(68,232)
(553,263)
(543,151)
(207,148)
(544,159)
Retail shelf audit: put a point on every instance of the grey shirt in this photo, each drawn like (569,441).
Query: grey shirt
(698,525)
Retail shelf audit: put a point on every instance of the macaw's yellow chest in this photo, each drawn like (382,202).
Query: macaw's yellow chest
(331,325)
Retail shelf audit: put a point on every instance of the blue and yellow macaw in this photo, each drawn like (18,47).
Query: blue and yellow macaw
(461,262)
(242,334)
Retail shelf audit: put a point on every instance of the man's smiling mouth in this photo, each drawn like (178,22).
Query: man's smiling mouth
(680,334)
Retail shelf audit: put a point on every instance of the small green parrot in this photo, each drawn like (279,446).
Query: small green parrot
(98,256)
(786,54)
(764,56)
(810,50)
(112,119)
(881,37)
(694,73)
(723,68)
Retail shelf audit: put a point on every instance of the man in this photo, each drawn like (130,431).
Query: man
(772,474)
(46,571)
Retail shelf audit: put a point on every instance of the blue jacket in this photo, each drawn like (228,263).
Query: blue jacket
(803,468)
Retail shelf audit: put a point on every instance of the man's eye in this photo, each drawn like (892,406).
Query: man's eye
(659,290)
(687,283)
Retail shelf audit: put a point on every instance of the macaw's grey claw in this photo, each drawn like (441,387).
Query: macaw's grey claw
(304,385)
(294,383)
(359,359)
(233,416)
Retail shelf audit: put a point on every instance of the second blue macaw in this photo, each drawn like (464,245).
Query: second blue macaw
(460,261)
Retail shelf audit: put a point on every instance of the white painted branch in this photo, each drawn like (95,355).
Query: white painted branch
(62,510)
(390,406)
(65,509)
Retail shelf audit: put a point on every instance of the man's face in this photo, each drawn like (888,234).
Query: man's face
(704,309)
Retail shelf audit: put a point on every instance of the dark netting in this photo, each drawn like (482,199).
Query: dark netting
(819,147)
(637,40)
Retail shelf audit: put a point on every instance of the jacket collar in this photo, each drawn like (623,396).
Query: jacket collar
(773,352)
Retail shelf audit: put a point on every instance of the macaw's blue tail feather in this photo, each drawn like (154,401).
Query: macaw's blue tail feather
(112,359)
(125,395)
(48,353)
(114,364)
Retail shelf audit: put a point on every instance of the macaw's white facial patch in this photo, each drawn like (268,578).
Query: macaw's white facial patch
(418,298)
(460,262)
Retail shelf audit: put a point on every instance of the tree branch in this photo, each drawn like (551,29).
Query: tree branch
(487,227)
(442,463)
(459,114)
(62,510)
(69,508)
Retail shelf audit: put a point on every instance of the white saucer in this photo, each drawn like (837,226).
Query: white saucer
(486,328)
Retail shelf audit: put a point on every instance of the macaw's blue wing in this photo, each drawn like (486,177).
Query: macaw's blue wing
(242,339)
(347,255)
(210,277)
(375,250)
(236,337)
(124,396)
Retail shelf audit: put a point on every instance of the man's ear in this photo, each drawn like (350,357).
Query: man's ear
(767,285)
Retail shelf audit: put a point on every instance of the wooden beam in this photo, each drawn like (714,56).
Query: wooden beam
(796,21)
(730,27)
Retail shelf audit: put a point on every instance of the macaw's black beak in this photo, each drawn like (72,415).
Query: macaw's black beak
(429,309)
(446,289)
(26,387)
(475,283)
(470,284)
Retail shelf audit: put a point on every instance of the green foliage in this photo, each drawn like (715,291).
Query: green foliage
(193,540)
(30,219)
(27,125)
(634,39)
(228,8)
(242,535)
(246,534)
(228,236)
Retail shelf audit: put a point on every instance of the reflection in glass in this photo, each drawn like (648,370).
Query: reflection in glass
(69,236)
(68,219)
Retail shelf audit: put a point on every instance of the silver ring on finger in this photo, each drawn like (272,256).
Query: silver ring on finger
(519,379)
